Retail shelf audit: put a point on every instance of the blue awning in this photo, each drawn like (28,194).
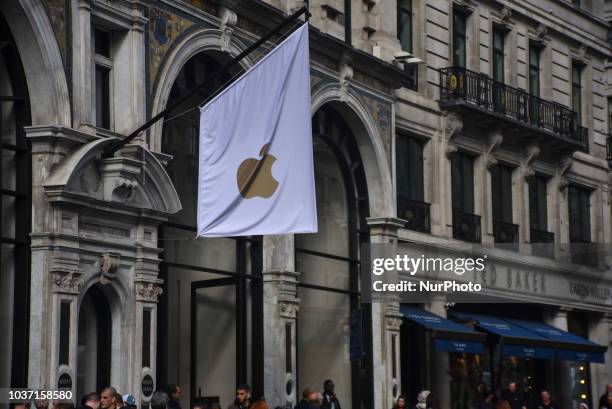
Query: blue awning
(533,339)
(570,347)
(448,335)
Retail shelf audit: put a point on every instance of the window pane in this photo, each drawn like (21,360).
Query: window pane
(462,174)
(404,24)
(216,253)
(102,40)
(580,215)
(534,70)
(409,164)
(323,271)
(102,97)
(459,51)
(323,341)
(498,55)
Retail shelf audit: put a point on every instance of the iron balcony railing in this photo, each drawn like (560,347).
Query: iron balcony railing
(541,236)
(504,232)
(466,226)
(458,85)
(415,213)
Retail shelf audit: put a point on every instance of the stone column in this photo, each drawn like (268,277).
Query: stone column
(386,321)
(82,67)
(440,365)
(600,332)
(562,374)
(280,317)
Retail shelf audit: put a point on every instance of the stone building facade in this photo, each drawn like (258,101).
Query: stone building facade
(102,282)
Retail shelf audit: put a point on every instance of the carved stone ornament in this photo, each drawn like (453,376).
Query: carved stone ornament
(505,14)
(148,291)
(541,32)
(66,282)
(109,263)
(453,125)
(346,74)
(564,167)
(288,309)
(451,149)
(531,153)
(394,323)
(228,22)
(495,140)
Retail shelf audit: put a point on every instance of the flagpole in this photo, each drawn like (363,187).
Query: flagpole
(114,147)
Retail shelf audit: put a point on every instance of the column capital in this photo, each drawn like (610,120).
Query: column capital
(384,226)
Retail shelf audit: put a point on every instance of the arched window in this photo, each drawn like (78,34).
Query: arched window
(210,318)
(15,207)
(328,262)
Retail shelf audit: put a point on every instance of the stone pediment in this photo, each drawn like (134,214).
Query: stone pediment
(135,178)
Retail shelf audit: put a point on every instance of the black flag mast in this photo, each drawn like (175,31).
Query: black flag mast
(114,147)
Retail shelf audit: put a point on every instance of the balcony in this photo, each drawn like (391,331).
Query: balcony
(585,252)
(485,103)
(504,232)
(466,226)
(415,213)
(543,243)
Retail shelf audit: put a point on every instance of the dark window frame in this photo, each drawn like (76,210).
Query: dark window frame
(579,209)
(459,34)
(405,9)
(576,81)
(498,38)
(535,56)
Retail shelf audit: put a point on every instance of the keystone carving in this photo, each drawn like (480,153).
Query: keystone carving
(505,14)
(541,32)
(228,22)
(109,263)
(346,74)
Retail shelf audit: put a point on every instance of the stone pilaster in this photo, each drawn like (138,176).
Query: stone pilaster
(386,321)
(280,318)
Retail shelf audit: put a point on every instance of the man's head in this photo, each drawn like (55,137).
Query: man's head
(512,387)
(108,398)
(243,392)
(174,391)
(92,400)
(328,386)
(306,392)
(609,399)
(545,395)
(159,400)
(199,404)
(609,387)
(119,400)
(315,398)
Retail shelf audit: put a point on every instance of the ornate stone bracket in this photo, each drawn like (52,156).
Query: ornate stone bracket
(453,125)
(228,22)
(564,167)
(505,14)
(531,153)
(148,290)
(393,316)
(109,263)
(495,139)
(63,282)
(288,309)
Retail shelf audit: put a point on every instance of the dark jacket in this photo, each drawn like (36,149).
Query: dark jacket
(551,405)
(603,401)
(303,404)
(515,399)
(236,405)
(328,400)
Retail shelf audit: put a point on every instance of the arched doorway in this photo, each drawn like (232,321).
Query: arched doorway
(210,313)
(94,342)
(328,262)
(15,204)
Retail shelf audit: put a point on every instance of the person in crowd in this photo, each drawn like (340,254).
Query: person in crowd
(608,403)
(422,400)
(119,400)
(603,400)
(129,401)
(108,398)
(200,403)
(91,400)
(19,406)
(243,398)
(260,404)
(583,406)
(546,401)
(159,400)
(487,400)
(330,401)
(400,403)
(513,396)
(432,401)
(315,400)
(174,392)
(303,403)
(503,404)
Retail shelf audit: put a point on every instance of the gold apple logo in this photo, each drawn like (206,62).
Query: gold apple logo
(254,176)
